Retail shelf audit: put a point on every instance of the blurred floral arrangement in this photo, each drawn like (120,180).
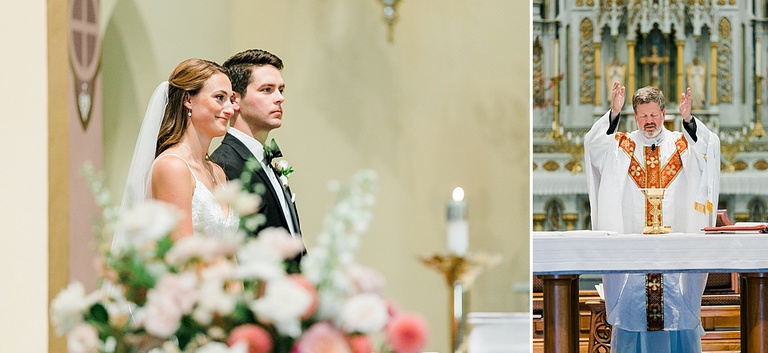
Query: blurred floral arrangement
(231,294)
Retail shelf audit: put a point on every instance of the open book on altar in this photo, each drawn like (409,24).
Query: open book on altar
(738,228)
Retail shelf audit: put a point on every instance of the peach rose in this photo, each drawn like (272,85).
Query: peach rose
(255,336)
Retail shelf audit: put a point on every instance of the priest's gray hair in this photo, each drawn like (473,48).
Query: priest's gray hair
(648,94)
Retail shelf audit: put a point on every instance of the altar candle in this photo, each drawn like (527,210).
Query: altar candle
(556,51)
(458,228)
(758,63)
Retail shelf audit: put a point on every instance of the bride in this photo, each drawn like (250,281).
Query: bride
(170,162)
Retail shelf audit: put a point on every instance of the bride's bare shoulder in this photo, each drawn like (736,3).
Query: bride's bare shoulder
(171,167)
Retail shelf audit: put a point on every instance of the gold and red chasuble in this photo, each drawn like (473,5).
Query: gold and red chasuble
(651,174)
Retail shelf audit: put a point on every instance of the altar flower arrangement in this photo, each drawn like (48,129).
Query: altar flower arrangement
(231,294)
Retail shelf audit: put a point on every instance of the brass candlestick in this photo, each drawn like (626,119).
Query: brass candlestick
(460,273)
(556,127)
(758,130)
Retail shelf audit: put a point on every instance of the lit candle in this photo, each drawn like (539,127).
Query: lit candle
(458,228)
(556,58)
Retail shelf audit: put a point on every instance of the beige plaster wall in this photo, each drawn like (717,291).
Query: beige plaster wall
(24,180)
(446,104)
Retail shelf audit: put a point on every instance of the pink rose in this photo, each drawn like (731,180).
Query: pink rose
(322,337)
(361,344)
(407,333)
(255,336)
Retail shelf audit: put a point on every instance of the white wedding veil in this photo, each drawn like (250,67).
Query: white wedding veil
(137,184)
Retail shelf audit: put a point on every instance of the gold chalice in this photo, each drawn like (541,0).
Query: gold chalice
(654,197)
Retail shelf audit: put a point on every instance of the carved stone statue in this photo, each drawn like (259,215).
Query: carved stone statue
(614,72)
(696,75)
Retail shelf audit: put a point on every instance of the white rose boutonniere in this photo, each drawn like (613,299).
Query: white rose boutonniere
(283,171)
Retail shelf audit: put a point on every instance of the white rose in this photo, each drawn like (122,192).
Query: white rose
(218,271)
(280,241)
(244,203)
(282,165)
(364,313)
(83,338)
(218,347)
(161,316)
(148,222)
(68,307)
(283,303)
(365,279)
(213,300)
(227,193)
(181,288)
(257,261)
(188,248)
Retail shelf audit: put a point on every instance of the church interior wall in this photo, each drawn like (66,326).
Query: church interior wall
(440,106)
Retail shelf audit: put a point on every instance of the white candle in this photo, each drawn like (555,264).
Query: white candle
(556,59)
(458,228)
(758,63)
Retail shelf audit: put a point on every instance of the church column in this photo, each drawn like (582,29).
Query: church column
(713,70)
(597,73)
(679,44)
(631,65)
(34,185)
(59,211)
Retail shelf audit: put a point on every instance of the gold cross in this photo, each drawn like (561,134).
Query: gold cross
(654,60)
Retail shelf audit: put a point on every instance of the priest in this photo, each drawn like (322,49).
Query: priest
(652,312)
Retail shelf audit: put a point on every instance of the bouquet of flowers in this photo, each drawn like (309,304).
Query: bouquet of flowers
(232,294)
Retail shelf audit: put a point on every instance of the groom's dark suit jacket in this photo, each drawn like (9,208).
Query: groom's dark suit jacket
(231,155)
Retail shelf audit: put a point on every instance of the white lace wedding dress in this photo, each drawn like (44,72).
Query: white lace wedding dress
(208,218)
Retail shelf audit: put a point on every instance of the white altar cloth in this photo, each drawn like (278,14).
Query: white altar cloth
(580,252)
(499,332)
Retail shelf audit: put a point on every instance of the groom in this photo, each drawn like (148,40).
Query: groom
(258,97)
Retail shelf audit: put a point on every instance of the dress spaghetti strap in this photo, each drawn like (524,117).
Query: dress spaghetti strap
(185,162)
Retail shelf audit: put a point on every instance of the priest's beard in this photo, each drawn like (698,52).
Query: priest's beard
(650,130)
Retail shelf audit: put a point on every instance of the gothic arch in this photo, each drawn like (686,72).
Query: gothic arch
(126,51)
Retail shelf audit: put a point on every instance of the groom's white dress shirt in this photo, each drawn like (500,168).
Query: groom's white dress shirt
(257,149)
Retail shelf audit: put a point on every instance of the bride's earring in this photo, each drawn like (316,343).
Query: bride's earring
(189,113)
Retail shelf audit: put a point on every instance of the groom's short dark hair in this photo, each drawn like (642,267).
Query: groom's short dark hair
(241,65)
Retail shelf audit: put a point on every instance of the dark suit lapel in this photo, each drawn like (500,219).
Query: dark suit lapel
(237,145)
(292,209)
(244,153)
